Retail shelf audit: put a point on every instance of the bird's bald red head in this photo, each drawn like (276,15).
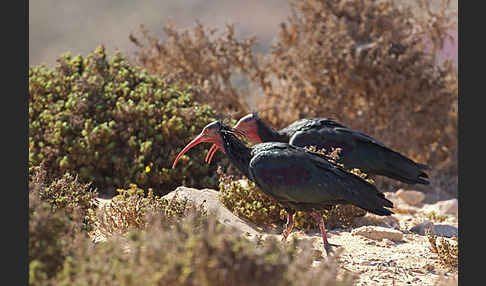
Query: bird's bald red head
(247,127)
(248,124)
(210,133)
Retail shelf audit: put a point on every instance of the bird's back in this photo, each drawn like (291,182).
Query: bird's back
(303,179)
(306,124)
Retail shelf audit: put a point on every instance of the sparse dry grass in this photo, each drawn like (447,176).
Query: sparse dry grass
(150,240)
(447,252)
(133,208)
(182,254)
(436,217)
(333,156)
(59,213)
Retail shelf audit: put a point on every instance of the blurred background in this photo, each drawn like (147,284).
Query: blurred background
(302,62)
(56,27)
(78,26)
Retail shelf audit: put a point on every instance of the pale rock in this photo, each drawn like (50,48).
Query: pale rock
(399,204)
(208,198)
(392,196)
(411,197)
(404,208)
(420,228)
(378,233)
(447,207)
(243,183)
(450,207)
(387,242)
(442,230)
(445,230)
(372,219)
(316,254)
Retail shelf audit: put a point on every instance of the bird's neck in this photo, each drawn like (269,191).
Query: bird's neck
(238,153)
(268,134)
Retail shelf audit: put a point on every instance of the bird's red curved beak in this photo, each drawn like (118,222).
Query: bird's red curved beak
(203,137)
(210,154)
(244,127)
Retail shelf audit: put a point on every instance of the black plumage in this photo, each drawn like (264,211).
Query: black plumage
(301,179)
(297,178)
(358,150)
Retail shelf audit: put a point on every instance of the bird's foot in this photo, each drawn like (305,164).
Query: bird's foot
(289,225)
(284,237)
(328,248)
(286,234)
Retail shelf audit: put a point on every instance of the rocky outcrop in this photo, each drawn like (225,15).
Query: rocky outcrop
(413,198)
(443,230)
(209,200)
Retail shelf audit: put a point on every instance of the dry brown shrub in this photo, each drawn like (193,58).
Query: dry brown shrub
(59,210)
(134,208)
(368,64)
(364,63)
(204,59)
(195,252)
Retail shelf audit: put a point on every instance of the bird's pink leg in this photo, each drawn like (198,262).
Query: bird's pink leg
(318,218)
(289,225)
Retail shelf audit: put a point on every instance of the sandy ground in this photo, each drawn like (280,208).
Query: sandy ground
(407,261)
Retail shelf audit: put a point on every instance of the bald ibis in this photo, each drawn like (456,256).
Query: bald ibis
(297,178)
(358,150)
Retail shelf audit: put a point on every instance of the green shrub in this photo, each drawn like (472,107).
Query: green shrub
(114,124)
(182,254)
(244,199)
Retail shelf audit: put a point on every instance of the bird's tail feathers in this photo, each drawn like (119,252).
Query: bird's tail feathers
(404,169)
